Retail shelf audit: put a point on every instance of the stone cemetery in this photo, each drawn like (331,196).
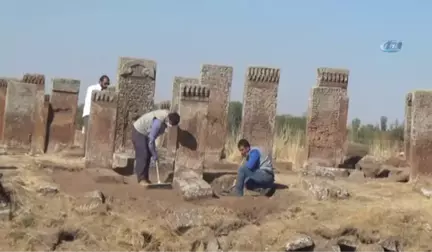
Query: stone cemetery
(322,204)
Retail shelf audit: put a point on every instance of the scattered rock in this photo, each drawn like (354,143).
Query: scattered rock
(328,246)
(426,192)
(322,190)
(347,243)
(224,242)
(300,243)
(223,182)
(397,162)
(357,175)
(91,202)
(402,176)
(191,186)
(48,190)
(328,172)
(369,248)
(182,220)
(213,245)
(370,165)
(391,244)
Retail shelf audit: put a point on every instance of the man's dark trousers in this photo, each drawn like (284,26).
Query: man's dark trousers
(86,130)
(142,155)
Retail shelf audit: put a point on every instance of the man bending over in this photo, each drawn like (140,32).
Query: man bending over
(145,131)
(257,173)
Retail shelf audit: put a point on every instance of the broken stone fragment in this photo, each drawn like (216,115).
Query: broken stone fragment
(426,192)
(369,248)
(322,190)
(329,172)
(299,242)
(391,244)
(213,245)
(327,247)
(191,186)
(48,190)
(349,243)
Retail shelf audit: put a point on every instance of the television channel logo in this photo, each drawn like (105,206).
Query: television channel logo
(391,46)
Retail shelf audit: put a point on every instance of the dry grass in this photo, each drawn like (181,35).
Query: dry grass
(289,146)
(376,209)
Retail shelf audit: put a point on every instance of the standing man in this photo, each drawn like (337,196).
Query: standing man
(103,84)
(145,131)
(257,173)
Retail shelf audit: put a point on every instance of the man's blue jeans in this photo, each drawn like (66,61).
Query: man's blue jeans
(252,179)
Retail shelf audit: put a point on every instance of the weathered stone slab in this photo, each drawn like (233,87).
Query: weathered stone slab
(332,77)
(421,134)
(323,190)
(136,87)
(38,141)
(191,186)
(407,125)
(101,137)
(259,106)
(19,115)
(219,79)
(326,125)
(3,90)
(171,135)
(64,105)
(192,130)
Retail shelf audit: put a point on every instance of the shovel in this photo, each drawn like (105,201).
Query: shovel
(159,184)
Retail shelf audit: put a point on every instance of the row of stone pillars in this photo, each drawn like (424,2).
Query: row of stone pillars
(32,122)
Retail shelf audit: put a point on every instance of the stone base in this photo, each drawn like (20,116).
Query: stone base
(123,159)
(191,186)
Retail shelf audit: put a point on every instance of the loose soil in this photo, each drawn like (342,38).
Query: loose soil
(136,218)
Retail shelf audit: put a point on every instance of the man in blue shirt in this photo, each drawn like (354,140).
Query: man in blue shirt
(257,173)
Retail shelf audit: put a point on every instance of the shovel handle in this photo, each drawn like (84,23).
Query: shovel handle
(157,171)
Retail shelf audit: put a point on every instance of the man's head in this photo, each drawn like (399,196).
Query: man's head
(173,119)
(243,146)
(104,81)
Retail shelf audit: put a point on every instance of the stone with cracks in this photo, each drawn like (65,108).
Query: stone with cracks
(323,190)
(191,186)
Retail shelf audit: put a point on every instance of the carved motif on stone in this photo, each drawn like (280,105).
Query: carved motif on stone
(263,74)
(38,79)
(332,77)
(136,68)
(194,92)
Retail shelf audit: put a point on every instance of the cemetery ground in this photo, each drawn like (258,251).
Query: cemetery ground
(58,205)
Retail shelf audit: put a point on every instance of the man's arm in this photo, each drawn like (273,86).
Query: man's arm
(253,161)
(154,133)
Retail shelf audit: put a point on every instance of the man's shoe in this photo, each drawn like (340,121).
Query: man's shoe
(145,182)
(268,192)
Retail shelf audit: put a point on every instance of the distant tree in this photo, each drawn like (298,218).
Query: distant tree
(235,110)
(78,119)
(383,123)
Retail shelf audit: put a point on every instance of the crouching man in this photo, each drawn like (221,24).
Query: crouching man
(257,173)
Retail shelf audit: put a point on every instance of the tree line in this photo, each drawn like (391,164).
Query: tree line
(293,125)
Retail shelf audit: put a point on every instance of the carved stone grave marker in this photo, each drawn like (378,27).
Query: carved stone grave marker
(259,106)
(101,136)
(219,79)
(64,104)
